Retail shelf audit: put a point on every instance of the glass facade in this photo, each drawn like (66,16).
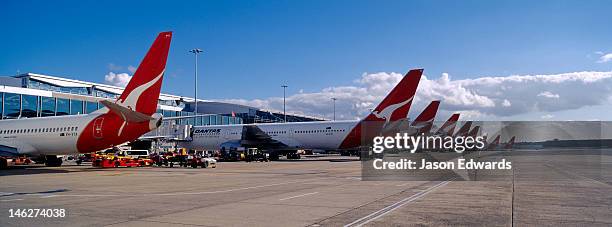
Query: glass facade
(12,105)
(47,106)
(63,107)
(76,107)
(90,107)
(16,106)
(104,94)
(29,106)
(50,87)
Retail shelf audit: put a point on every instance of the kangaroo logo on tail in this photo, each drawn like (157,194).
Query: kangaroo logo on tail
(389,110)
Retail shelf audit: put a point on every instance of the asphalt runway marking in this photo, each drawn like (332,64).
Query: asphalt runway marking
(8,200)
(548,164)
(6,193)
(177,193)
(373,216)
(402,185)
(297,196)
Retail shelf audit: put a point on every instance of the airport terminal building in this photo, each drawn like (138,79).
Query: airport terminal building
(35,95)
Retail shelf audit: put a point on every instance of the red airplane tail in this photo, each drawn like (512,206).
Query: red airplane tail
(397,103)
(510,143)
(392,108)
(465,129)
(448,127)
(425,120)
(494,143)
(474,132)
(142,92)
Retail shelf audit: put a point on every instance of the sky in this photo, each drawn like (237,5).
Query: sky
(509,60)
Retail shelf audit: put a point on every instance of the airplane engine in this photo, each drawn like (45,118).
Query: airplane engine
(156,121)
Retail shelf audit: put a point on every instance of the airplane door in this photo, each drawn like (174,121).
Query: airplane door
(97,128)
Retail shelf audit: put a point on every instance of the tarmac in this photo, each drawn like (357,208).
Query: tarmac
(568,187)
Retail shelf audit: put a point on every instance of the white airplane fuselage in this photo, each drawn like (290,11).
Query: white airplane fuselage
(54,135)
(323,135)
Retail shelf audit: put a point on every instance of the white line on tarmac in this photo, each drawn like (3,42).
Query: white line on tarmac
(177,193)
(373,216)
(297,196)
(8,200)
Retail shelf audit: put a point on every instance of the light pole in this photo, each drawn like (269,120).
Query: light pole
(284,110)
(195,52)
(334,100)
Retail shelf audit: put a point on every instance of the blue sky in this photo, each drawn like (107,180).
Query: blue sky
(252,47)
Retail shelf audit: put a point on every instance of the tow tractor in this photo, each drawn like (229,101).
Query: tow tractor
(142,156)
(5,162)
(169,159)
(112,158)
(254,155)
(196,161)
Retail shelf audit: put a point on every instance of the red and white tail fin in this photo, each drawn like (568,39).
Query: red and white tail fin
(448,128)
(510,143)
(493,144)
(465,129)
(142,92)
(474,132)
(394,107)
(425,120)
(397,103)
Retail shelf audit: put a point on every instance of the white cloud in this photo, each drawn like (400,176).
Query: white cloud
(120,79)
(605,58)
(547,116)
(506,103)
(548,94)
(515,94)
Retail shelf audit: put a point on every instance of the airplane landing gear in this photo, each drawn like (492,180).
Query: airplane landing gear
(53,161)
(3,163)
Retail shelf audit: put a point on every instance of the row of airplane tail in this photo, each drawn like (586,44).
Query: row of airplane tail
(133,114)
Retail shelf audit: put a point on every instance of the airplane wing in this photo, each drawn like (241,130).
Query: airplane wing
(14,148)
(253,136)
(126,113)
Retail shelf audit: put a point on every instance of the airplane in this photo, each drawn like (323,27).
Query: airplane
(510,143)
(287,138)
(424,122)
(125,119)
(421,124)
(493,144)
(474,132)
(448,128)
(464,130)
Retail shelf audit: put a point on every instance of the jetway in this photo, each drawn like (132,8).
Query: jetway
(170,131)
